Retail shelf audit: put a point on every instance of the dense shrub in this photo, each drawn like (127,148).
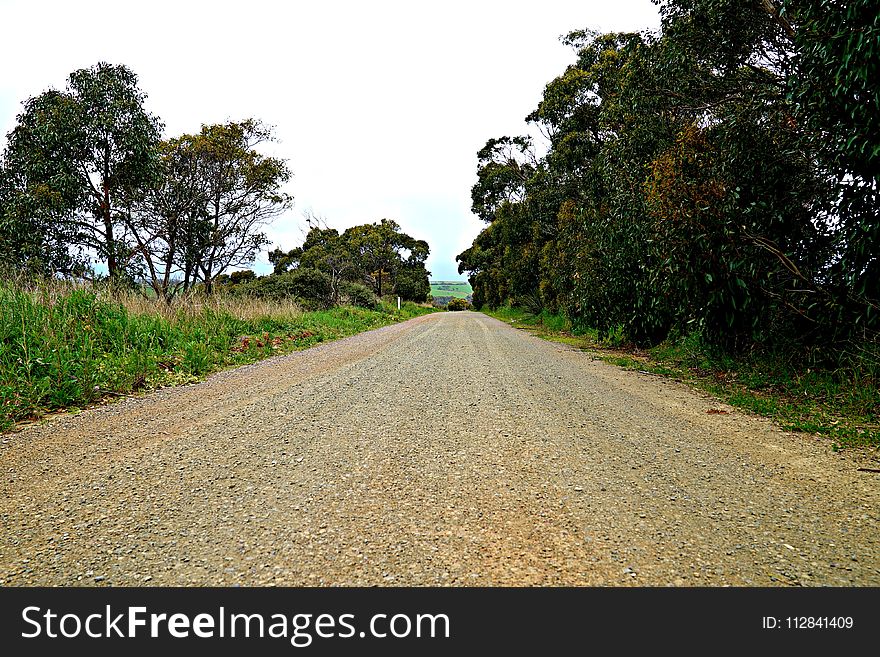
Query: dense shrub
(458,304)
(718,177)
(310,287)
(356,294)
(412,285)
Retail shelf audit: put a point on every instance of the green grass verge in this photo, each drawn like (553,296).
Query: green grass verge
(78,347)
(843,405)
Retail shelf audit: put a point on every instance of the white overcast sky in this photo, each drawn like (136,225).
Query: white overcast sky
(379,106)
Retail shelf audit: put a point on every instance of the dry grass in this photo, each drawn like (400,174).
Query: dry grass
(243,308)
(184,308)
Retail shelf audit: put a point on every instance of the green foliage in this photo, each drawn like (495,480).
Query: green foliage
(240,191)
(382,249)
(206,211)
(31,238)
(328,251)
(357,294)
(84,175)
(697,180)
(408,309)
(242,276)
(310,287)
(78,154)
(332,268)
(229,281)
(411,283)
(836,76)
(835,91)
(458,304)
(375,255)
(502,174)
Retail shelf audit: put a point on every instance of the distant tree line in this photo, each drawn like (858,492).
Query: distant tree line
(85,176)
(720,176)
(359,265)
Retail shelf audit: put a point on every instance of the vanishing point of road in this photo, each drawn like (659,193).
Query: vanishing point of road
(448,450)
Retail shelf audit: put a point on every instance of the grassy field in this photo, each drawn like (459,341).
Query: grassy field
(459,289)
(843,404)
(64,347)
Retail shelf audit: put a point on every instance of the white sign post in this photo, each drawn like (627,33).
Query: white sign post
(398,303)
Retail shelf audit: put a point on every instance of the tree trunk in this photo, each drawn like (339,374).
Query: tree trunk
(109,239)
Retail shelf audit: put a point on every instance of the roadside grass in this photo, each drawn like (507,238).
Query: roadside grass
(67,347)
(842,405)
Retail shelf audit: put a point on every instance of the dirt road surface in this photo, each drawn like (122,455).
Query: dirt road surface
(449,450)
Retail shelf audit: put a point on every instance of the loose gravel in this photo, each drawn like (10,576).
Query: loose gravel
(451,450)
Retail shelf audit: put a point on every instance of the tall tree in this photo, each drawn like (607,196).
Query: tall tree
(206,213)
(243,192)
(835,88)
(696,179)
(81,151)
(167,220)
(379,248)
(31,237)
(412,279)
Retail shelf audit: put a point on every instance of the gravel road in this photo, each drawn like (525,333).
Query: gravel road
(452,450)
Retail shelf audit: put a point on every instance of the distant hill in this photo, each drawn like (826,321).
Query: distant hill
(460,289)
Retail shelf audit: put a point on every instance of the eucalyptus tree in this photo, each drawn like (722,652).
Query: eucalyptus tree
(80,152)
(326,250)
(835,91)
(683,188)
(32,239)
(243,190)
(381,250)
(208,208)
(167,220)
(378,255)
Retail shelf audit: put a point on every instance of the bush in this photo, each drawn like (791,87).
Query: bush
(242,276)
(458,304)
(310,287)
(412,285)
(356,294)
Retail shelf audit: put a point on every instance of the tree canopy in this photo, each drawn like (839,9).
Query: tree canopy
(86,177)
(77,154)
(206,212)
(378,255)
(718,176)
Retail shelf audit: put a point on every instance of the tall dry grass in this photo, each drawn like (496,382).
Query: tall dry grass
(184,307)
